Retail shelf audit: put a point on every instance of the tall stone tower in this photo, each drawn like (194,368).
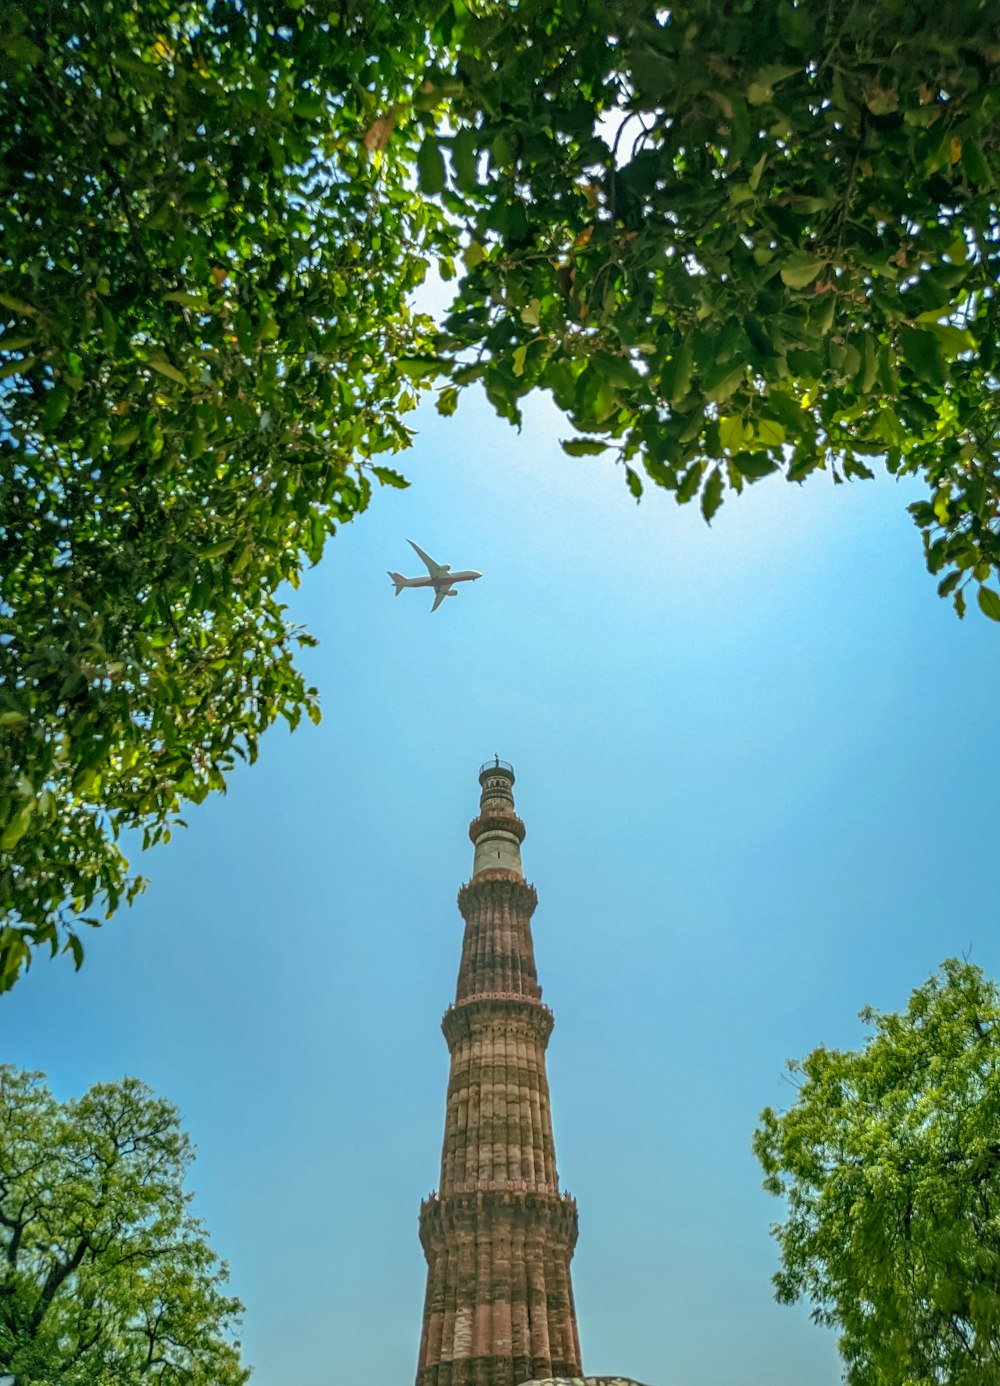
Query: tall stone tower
(499,1236)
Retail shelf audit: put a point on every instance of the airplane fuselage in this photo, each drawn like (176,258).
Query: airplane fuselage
(446,579)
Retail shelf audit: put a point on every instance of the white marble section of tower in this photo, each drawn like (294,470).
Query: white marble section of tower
(498,841)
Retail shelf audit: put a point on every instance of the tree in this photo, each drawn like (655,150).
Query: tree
(753,238)
(205,280)
(740,238)
(106,1279)
(889,1159)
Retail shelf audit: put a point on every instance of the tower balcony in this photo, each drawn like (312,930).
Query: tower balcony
(506,1008)
(494,766)
(497,823)
(502,1204)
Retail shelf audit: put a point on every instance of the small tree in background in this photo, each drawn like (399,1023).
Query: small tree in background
(890,1163)
(106,1279)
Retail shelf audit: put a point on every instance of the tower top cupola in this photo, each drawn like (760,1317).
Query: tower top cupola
(497,833)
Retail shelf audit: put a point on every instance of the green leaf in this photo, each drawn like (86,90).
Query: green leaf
(731,432)
(690,482)
(17,825)
(774,73)
(723,379)
(390,478)
(974,164)
(769,433)
(430,167)
(677,372)
(126,436)
(711,497)
(18,305)
(416,367)
(11,718)
(164,367)
(989,603)
(74,946)
(799,270)
(465,158)
(583,447)
(788,410)
(754,465)
(954,340)
(186,299)
(922,353)
(869,364)
(633,482)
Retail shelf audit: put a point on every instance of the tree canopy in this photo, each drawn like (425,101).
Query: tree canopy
(106,1279)
(739,240)
(889,1160)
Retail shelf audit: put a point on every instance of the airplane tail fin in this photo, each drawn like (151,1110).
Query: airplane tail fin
(399,580)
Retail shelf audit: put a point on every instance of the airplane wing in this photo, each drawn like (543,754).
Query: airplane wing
(438,596)
(435,569)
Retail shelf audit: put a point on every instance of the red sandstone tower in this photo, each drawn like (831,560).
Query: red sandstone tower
(499,1236)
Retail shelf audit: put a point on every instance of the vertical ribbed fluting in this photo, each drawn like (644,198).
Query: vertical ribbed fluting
(497,949)
(515,1136)
(556,1287)
(457,1113)
(465,1303)
(548,1144)
(525,1164)
(521,1344)
(471,1172)
(497,1125)
(489,1093)
(502,1331)
(573,1345)
(480,961)
(511,974)
(434,1314)
(482,1326)
(538,1135)
(448,1305)
(538,1315)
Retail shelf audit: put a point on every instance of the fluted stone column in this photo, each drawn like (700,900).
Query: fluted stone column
(499,1235)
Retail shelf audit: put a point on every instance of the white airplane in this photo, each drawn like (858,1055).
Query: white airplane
(440,577)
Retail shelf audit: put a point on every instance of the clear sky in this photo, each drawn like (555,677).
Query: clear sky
(758,768)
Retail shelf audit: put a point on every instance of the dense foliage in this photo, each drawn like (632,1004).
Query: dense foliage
(105,1277)
(205,281)
(742,239)
(890,1163)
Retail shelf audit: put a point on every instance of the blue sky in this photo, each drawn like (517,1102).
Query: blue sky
(757,765)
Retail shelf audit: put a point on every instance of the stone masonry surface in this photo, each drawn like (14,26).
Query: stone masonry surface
(499,1235)
(584,1381)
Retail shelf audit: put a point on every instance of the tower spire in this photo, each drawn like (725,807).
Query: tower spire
(499,1236)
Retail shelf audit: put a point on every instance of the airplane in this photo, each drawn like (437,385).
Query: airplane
(440,577)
